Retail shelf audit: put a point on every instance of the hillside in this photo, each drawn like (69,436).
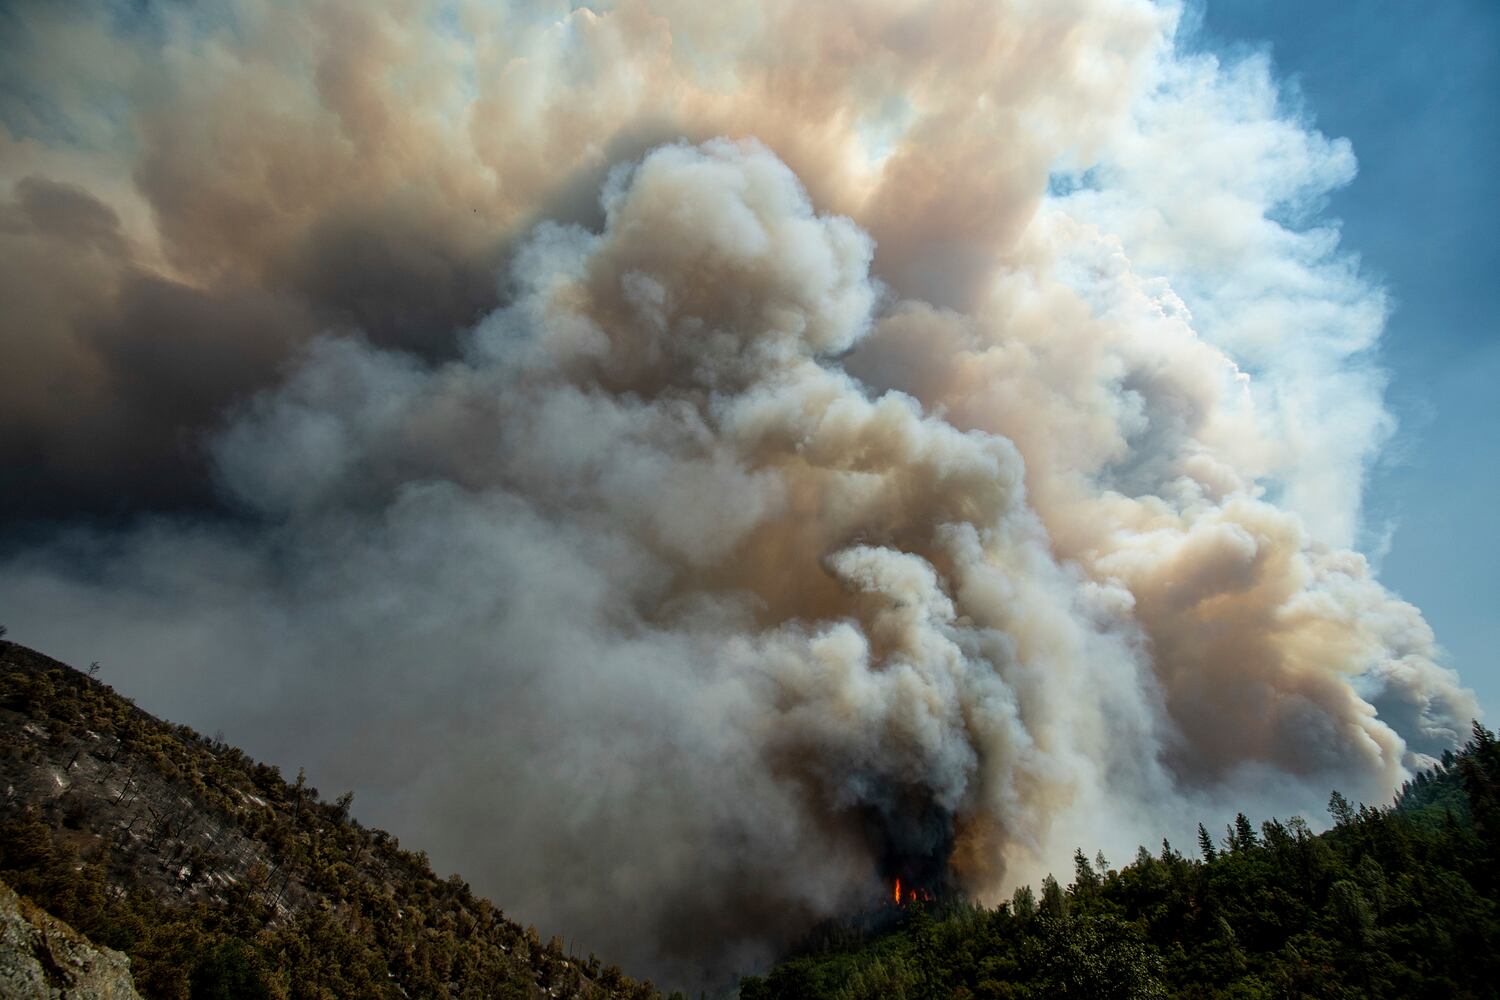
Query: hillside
(1398,902)
(220,879)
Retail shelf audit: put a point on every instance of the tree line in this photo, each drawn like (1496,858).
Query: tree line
(1396,901)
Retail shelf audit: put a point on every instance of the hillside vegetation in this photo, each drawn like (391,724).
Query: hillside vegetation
(222,880)
(1397,902)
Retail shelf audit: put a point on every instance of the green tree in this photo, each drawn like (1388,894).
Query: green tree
(229,971)
(1340,809)
(1054,901)
(1206,844)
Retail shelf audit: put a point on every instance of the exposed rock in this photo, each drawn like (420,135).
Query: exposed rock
(42,958)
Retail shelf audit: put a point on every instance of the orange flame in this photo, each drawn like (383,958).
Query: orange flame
(898,892)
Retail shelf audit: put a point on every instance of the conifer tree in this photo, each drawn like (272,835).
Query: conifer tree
(1206,844)
(1244,833)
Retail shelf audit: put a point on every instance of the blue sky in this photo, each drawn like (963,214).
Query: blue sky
(1415,87)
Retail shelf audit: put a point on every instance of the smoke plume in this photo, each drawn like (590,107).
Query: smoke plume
(685,466)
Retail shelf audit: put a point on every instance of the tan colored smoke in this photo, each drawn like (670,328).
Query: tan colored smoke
(746,454)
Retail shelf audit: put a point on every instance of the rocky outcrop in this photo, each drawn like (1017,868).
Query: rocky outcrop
(42,958)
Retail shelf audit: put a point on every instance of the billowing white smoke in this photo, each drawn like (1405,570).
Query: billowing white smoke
(738,560)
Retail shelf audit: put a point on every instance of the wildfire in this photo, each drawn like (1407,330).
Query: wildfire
(898,896)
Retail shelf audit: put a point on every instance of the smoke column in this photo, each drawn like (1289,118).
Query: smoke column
(685,466)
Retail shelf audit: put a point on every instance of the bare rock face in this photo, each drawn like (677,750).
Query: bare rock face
(42,958)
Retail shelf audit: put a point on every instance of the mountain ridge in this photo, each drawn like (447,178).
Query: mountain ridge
(220,878)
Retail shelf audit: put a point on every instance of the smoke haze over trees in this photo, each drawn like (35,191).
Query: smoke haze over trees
(1392,902)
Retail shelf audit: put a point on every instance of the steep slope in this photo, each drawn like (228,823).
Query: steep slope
(221,879)
(42,958)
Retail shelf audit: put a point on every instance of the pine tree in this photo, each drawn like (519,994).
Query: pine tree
(1054,903)
(1244,833)
(1085,879)
(1206,844)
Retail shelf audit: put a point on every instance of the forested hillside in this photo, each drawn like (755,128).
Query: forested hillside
(222,880)
(1397,901)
